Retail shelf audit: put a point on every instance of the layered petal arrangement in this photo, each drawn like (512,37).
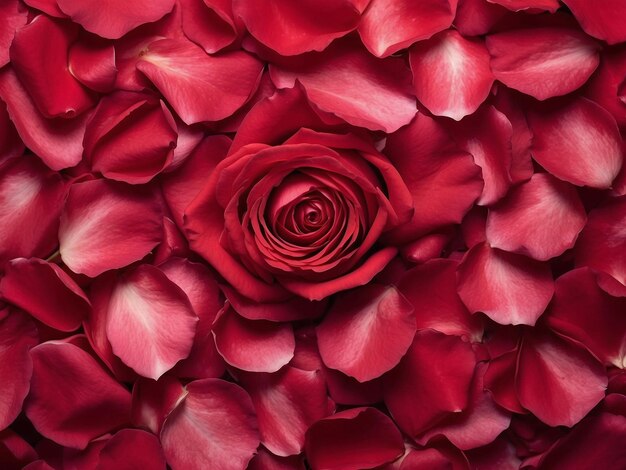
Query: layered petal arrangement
(326,235)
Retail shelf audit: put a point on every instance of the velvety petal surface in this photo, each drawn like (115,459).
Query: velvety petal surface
(607,23)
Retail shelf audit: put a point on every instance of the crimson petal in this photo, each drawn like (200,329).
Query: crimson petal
(130,449)
(606,23)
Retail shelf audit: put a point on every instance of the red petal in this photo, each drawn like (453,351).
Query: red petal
(293,29)
(566,135)
(442,457)
(208,23)
(264,460)
(601,245)
(213,427)
(443,181)
(606,23)
(500,455)
(431,288)
(114,18)
(451,74)
(286,403)
(14,17)
(354,439)
(39,56)
(108,225)
(200,87)
(58,142)
(346,390)
(49,7)
(346,81)
(31,198)
(541,218)
(543,62)
(11,145)
(150,323)
(436,373)
(585,313)
(557,381)
(366,332)
(72,400)
(132,448)
(476,426)
(17,335)
(510,289)
(518,5)
(15,452)
(604,87)
(92,63)
(60,303)
(477,17)
(153,401)
(390,25)
(253,345)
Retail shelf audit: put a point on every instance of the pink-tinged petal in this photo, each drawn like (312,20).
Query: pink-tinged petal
(49,7)
(598,442)
(200,285)
(293,29)
(253,345)
(451,74)
(189,137)
(60,303)
(540,218)
(601,245)
(509,288)
(428,247)
(183,185)
(500,381)
(558,381)
(107,225)
(15,452)
(388,26)
(149,321)
(200,87)
(367,331)
(436,373)
(286,404)
(14,16)
(214,426)
(346,390)
(476,426)
(114,18)
(92,63)
(477,17)
(72,399)
(17,335)
(441,457)
(265,460)
(607,23)
(585,313)
(58,142)
(354,439)
(431,289)
(153,401)
(209,23)
(443,180)
(487,136)
(522,60)
(577,141)
(347,81)
(519,5)
(473,226)
(39,56)
(606,85)
(130,449)
(131,137)
(31,198)
(173,244)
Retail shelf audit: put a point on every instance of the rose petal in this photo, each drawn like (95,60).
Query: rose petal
(108,225)
(11,145)
(265,460)
(153,401)
(346,81)
(214,426)
(200,87)
(353,439)
(17,335)
(31,198)
(436,372)
(603,23)
(253,345)
(15,17)
(508,288)
(346,390)
(366,332)
(451,74)
(388,26)
(114,18)
(605,85)
(15,452)
(286,403)
(577,141)
(477,17)
(60,303)
(92,62)
(519,5)
(72,400)
(541,218)
(132,448)
(443,456)
(522,60)
(209,23)
(149,321)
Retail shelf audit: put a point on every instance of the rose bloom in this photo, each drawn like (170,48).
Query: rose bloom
(317,212)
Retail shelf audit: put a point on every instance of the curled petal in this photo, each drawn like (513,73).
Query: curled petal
(92,63)
(209,23)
